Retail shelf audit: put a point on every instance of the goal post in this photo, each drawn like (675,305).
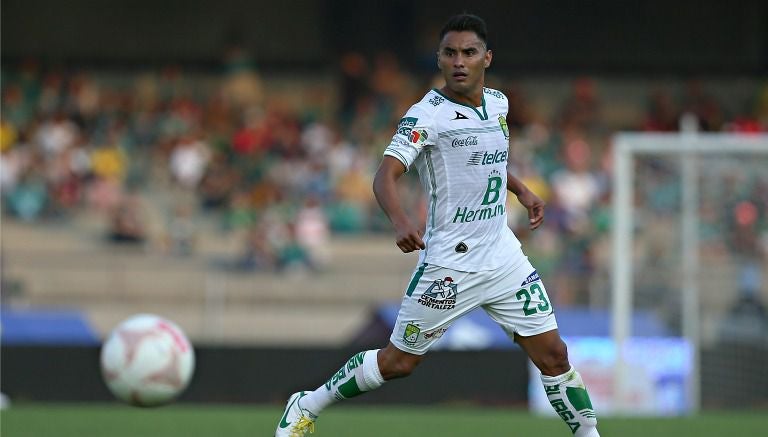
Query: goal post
(687,149)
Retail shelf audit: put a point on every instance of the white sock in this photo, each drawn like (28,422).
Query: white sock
(359,375)
(570,399)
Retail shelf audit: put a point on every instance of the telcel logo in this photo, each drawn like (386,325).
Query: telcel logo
(464,142)
(485,158)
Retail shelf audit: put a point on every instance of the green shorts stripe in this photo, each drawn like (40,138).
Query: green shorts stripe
(415,280)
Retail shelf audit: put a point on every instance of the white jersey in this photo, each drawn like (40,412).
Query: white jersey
(461,155)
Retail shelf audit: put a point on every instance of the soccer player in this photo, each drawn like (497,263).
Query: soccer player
(457,138)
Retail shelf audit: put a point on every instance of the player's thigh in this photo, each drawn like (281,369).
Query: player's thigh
(520,303)
(434,299)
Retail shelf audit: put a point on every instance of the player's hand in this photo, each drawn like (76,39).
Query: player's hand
(535,207)
(409,238)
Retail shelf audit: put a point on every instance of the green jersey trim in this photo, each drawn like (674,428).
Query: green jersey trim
(433,183)
(483,116)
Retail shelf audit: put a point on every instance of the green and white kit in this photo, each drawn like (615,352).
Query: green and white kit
(472,258)
(513,296)
(461,155)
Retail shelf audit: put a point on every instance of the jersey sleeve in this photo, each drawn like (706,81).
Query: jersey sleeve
(415,131)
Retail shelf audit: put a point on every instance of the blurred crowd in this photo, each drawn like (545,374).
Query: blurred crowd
(226,152)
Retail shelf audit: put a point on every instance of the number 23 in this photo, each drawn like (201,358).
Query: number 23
(523,293)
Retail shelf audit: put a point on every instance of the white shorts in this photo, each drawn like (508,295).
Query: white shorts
(513,296)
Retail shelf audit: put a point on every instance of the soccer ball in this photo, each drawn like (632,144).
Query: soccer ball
(147,361)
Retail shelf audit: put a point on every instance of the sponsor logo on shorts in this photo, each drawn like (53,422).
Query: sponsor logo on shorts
(441,294)
(437,333)
(411,334)
(533,277)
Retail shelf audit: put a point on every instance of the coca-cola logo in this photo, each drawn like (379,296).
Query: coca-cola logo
(464,142)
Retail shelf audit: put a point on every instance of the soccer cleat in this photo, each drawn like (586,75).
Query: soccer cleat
(296,422)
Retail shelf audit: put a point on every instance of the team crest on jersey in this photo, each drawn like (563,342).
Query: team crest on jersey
(441,294)
(405,126)
(419,136)
(411,334)
(504,127)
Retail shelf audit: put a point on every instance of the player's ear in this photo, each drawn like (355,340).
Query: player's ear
(440,67)
(488,58)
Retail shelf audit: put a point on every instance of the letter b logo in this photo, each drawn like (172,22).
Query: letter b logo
(492,192)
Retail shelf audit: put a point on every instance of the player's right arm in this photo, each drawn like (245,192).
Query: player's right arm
(408,236)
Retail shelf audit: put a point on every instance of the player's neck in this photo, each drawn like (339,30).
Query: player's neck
(473,98)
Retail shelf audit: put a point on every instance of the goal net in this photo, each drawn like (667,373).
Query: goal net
(690,244)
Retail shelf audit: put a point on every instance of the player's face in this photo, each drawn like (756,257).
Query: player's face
(463,58)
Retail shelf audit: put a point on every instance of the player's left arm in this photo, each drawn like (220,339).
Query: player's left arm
(528,199)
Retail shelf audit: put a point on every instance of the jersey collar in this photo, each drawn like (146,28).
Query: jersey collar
(483,116)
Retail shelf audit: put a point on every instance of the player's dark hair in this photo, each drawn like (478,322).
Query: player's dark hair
(466,22)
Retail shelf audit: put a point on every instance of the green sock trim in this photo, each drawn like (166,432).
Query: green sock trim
(579,398)
(350,389)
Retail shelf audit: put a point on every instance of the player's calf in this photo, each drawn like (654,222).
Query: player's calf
(394,363)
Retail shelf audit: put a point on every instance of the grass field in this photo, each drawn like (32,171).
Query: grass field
(111,420)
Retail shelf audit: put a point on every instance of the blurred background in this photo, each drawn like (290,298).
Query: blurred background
(212,162)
